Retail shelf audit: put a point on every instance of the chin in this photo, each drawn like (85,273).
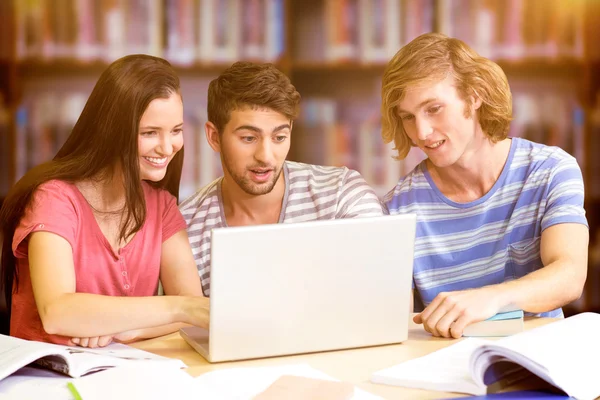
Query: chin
(153,177)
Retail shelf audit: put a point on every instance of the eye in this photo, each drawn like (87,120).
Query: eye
(407,117)
(178,131)
(247,139)
(148,133)
(280,138)
(434,109)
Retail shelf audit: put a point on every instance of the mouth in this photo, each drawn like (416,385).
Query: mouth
(158,162)
(435,145)
(261,174)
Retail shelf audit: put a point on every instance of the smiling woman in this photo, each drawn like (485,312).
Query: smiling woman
(88,234)
(161,137)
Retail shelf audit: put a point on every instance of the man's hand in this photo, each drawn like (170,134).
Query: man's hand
(450,312)
(92,342)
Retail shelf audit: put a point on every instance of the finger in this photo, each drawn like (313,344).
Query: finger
(426,328)
(104,341)
(418,319)
(446,322)
(75,341)
(93,342)
(461,323)
(443,308)
(439,299)
(83,342)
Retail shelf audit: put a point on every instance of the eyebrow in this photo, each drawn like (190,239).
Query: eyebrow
(257,130)
(421,104)
(158,128)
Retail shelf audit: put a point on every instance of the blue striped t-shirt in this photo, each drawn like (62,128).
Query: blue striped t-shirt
(495,238)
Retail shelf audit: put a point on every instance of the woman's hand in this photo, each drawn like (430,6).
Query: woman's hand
(92,342)
(197,311)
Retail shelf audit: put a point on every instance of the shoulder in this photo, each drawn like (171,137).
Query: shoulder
(202,200)
(408,190)
(56,191)
(540,162)
(319,176)
(539,155)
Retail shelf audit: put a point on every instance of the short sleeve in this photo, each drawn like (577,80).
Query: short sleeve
(358,199)
(172,220)
(564,202)
(51,209)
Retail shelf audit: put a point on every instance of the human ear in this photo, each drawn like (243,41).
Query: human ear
(212,136)
(476,101)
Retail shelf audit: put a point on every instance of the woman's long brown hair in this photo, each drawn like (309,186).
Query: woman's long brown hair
(106,134)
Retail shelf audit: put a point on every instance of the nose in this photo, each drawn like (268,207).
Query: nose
(165,146)
(264,152)
(424,128)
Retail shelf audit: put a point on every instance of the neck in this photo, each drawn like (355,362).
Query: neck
(105,193)
(475,173)
(241,208)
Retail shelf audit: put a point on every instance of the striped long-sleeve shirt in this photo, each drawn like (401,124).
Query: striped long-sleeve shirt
(311,193)
(495,238)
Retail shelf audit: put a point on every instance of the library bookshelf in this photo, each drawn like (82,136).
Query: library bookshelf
(333,50)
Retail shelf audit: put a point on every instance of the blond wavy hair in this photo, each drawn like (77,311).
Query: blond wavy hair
(249,84)
(430,58)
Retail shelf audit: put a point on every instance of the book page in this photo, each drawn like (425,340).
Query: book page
(35,383)
(250,382)
(140,381)
(83,360)
(444,370)
(16,353)
(75,361)
(567,349)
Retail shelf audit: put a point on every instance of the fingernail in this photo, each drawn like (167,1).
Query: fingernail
(75,340)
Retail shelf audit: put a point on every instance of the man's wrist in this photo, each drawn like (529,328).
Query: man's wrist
(503,296)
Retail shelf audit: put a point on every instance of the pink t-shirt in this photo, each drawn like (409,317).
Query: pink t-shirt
(60,208)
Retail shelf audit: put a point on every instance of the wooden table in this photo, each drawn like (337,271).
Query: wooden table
(355,366)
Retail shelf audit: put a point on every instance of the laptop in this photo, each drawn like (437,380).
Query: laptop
(284,289)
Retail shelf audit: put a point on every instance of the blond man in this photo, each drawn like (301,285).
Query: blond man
(251,111)
(500,223)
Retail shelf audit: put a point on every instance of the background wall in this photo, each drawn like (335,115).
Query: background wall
(53,51)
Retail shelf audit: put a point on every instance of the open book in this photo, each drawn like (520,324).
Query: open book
(563,353)
(16,353)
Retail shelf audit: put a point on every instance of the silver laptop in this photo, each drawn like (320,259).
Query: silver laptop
(307,287)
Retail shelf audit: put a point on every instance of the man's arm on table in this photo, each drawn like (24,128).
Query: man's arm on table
(564,254)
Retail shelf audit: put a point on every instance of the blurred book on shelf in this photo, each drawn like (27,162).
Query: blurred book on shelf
(4,147)
(516,29)
(593,187)
(348,133)
(552,116)
(184,31)
(372,31)
(366,31)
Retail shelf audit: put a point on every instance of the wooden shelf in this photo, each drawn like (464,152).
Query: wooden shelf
(534,67)
(71,67)
(559,66)
(320,67)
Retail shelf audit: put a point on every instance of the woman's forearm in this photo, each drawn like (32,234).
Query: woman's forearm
(89,315)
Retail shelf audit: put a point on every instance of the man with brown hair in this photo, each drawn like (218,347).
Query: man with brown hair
(500,221)
(251,110)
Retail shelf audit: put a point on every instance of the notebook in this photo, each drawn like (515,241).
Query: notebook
(501,324)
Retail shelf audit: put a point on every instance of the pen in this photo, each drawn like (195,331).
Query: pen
(74,391)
